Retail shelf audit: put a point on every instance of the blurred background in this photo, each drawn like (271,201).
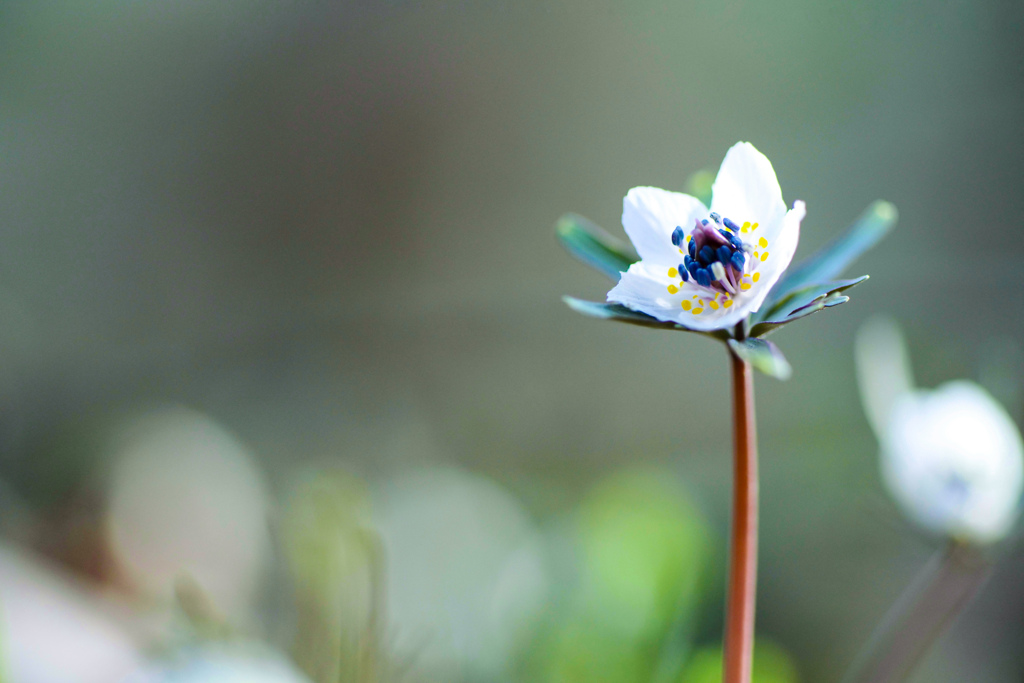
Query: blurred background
(288,393)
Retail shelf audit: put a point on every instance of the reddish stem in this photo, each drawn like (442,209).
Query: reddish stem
(942,590)
(739,618)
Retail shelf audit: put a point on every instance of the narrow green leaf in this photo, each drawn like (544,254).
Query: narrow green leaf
(805,296)
(620,313)
(762,329)
(763,355)
(828,295)
(830,261)
(594,246)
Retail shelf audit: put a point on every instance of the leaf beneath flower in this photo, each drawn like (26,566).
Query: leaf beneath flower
(762,355)
(832,260)
(804,302)
(621,313)
(803,297)
(594,246)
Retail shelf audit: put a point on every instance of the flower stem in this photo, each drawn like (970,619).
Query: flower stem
(936,596)
(739,617)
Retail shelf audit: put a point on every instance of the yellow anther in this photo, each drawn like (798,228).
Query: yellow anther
(714,305)
(764,256)
(727,303)
(746,226)
(757,276)
(672,272)
(763,242)
(754,227)
(686,305)
(744,286)
(672,289)
(697,311)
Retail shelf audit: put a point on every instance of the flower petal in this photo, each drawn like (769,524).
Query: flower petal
(746,188)
(781,247)
(650,214)
(643,288)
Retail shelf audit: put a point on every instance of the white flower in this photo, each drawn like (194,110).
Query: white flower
(708,269)
(952,458)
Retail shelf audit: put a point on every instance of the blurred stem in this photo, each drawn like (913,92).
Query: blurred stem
(936,596)
(370,655)
(739,617)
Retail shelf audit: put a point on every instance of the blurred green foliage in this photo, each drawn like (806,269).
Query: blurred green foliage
(771,665)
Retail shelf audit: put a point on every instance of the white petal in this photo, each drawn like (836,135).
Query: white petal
(883,370)
(746,188)
(954,461)
(644,288)
(781,247)
(650,214)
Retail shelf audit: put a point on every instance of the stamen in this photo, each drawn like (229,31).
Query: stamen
(715,259)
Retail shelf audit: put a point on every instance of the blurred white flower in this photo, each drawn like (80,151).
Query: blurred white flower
(54,630)
(236,663)
(465,575)
(709,269)
(951,457)
(187,501)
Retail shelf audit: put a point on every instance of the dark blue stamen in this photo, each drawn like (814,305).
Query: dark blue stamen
(732,226)
(686,262)
(683,274)
(692,267)
(715,217)
(691,246)
(707,255)
(704,222)
(737,261)
(677,236)
(724,253)
(736,241)
(724,233)
(702,277)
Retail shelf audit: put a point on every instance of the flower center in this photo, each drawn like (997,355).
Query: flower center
(717,260)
